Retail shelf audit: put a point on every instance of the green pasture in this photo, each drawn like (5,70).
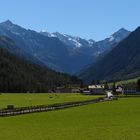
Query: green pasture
(20,100)
(113,120)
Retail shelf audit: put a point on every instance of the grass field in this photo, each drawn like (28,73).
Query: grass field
(19,100)
(133,80)
(115,120)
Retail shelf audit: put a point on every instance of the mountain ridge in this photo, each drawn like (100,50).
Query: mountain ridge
(54,53)
(19,75)
(120,63)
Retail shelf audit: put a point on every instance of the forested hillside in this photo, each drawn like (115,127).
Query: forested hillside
(122,62)
(18,75)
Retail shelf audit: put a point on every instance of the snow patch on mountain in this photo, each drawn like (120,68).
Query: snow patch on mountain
(111,39)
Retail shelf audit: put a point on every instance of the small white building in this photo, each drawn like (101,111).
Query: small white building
(96,89)
(119,89)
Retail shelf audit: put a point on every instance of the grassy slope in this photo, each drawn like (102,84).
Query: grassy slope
(127,81)
(117,120)
(39,99)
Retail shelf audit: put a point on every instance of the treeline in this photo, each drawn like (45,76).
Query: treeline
(18,75)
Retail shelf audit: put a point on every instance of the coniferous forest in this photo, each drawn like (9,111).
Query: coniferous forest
(18,75)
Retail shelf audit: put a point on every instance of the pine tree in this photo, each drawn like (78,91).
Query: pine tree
(114,88)
(93,82)
(138,85)
(82,84)
(106,87)
(98,82)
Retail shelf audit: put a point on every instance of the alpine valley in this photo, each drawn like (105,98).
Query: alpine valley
(122,62)
(59,52)
(17,75)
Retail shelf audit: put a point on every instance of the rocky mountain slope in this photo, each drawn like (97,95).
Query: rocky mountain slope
(63,53)
(122,62)
(19,75)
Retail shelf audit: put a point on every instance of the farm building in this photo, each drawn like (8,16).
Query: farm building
(86,92)
(96,89)
(119,89)
(129,89)
(67,90)
(75,90)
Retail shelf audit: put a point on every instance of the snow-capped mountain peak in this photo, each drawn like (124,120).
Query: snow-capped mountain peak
(48,48)
(119,35)
(46,33)
(77,42)
(69,40)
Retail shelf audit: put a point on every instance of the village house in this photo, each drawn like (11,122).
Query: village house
(129,89)
(86,92)
(96,89)
(119,89)
(67,90)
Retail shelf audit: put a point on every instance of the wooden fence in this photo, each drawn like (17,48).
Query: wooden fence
(42,108)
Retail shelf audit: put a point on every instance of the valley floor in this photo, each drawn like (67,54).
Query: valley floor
(114,120)
(24,99)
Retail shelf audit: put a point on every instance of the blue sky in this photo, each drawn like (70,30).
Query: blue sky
(94,19)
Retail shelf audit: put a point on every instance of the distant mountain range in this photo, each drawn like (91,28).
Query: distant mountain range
(57,51)
(122,62)
(70,41)
(19,75)
(90,46)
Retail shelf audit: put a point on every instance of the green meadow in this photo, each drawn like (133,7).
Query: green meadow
(21,100)
(133,80)
(113,120)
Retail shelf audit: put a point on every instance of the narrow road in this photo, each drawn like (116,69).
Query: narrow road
(43,108)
